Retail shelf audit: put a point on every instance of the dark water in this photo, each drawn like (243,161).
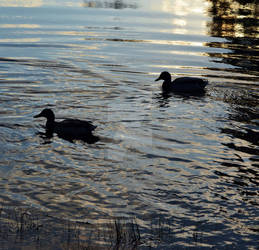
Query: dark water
(191,162)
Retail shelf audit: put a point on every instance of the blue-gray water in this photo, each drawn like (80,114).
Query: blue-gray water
(190,161)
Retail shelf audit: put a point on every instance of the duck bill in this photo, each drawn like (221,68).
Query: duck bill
(36,116)
(158,79)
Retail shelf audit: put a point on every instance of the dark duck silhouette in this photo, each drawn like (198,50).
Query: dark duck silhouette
(69,129)
(182,84)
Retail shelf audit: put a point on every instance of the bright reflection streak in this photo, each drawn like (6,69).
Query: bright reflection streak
(179,22)
(176,7)
(183,8)
(38,3)
(187,53)
(26,26)
(21,3)
(176,67)
(20,40)
(179,31)
(180,43)
(181,12)
(184,53)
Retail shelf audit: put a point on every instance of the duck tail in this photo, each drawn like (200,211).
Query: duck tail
(206,82)
(93,127)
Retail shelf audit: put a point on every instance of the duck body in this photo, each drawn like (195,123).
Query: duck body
(182,84)
(68,128)
(72,127)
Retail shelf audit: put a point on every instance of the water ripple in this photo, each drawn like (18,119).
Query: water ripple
(187,162)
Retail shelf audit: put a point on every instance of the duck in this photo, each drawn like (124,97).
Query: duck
(182,84)
(69,129)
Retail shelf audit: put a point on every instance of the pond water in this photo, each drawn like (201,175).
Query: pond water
(189,161)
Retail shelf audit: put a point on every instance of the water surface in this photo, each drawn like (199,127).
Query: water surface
(189,161)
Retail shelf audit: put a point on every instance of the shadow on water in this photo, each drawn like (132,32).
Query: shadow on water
(48,135)
(233,18)
(242,131)
(237,22)
(247,130)
(163,98)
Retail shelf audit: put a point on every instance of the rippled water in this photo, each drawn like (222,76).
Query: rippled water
(190,161)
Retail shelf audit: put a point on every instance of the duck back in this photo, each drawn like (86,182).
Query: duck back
(188,84)
(74,127)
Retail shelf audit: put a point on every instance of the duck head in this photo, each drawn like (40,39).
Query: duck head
(47,113)
(164,76)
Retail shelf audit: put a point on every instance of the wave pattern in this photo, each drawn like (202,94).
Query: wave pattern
(190,161)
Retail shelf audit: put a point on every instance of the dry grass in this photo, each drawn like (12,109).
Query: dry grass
(27,229)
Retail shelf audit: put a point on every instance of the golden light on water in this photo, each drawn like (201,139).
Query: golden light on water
(38,3)
(179,22)
(183,8)
(176,42)
(21,3)
(20,40)
(23,25)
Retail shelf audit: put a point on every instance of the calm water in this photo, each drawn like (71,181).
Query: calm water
(191,162)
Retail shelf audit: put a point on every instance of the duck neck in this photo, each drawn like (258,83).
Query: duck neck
(166,84)
(50,122)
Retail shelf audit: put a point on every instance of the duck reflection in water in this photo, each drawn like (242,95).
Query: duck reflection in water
(68,129)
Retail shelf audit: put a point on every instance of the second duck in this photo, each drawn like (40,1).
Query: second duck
(69,128)
(182,84)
